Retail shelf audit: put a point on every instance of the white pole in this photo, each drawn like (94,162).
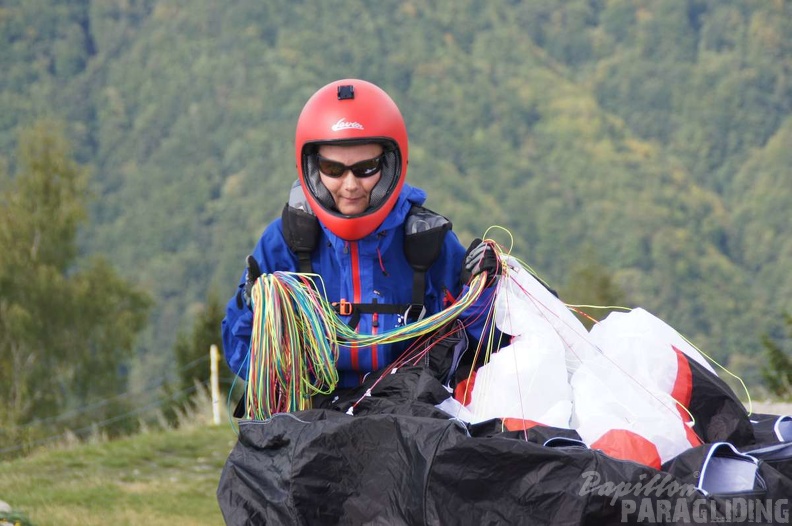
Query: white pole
(214,356)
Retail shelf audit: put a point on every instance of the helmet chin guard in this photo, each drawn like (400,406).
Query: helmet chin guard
(352,111)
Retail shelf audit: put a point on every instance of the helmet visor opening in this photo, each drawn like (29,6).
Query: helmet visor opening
(389,166)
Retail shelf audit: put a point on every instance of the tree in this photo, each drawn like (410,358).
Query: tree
(777,373)
(67,325)
(590,284)
(192,352)
(192,358)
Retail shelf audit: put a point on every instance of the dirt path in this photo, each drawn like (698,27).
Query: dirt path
(772,408)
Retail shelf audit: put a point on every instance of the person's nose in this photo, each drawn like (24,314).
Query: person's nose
(350,182)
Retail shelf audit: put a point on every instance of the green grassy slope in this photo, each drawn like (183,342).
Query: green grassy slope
(156,478)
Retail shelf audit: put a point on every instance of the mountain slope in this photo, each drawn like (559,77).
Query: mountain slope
(631,128)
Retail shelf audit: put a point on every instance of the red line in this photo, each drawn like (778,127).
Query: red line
(355,271)
(355,259)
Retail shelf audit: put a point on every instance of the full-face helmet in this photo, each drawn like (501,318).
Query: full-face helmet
(351,111)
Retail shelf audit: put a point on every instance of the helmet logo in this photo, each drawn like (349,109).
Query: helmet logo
(344,125)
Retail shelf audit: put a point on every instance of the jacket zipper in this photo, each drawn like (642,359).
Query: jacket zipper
(355,260)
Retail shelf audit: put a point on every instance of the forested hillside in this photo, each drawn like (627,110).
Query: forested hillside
(652,136)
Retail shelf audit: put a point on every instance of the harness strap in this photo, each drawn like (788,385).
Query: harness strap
(411,312)
(301,231)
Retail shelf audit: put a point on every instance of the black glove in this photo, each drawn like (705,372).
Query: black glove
(480,257)
(252,273)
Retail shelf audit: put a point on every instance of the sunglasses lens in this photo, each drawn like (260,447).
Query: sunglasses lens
(366,168)
(331,168)
(360,169)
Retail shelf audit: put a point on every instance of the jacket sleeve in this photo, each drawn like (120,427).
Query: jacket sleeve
(272,254)
(474,318)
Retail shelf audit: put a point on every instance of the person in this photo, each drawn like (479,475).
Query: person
(384,259)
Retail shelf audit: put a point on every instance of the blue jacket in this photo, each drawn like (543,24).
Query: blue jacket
(372,268)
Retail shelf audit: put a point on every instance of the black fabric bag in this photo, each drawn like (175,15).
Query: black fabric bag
(398,460)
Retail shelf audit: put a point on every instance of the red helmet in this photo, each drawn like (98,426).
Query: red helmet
(351,111)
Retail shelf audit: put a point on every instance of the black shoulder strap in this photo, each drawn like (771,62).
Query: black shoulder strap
(424,233)
(301,232)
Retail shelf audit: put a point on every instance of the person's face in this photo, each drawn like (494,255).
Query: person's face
(350,193)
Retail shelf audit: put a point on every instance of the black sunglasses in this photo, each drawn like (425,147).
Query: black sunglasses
(360,169)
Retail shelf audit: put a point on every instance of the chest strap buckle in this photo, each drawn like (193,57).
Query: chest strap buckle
(343,307)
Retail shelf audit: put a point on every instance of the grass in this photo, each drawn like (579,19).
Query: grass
(163,477)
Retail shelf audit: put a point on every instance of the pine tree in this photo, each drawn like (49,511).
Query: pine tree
(192,359)
(591,284)
(777,373)
(192,351)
